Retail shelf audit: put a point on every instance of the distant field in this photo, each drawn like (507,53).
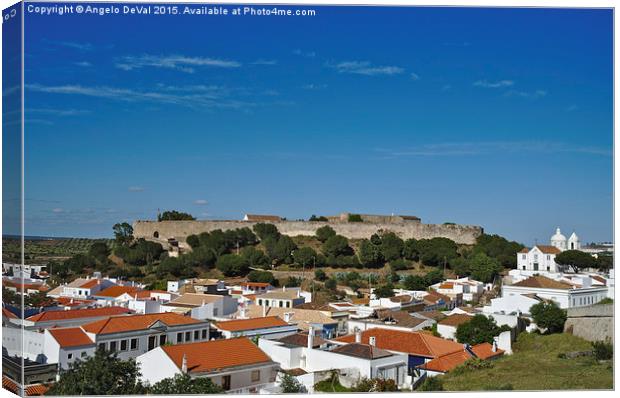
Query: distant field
(535,366)
(46,249)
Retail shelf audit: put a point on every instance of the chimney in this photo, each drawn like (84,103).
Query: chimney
(264,310)
(184,364)
(299,293)
(494,349)
(310,337)
(284,288)
(287,317)
(372,340)
(358,335)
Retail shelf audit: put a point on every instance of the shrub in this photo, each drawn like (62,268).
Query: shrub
(603,350)
(324,233)
(431,384)
(548,315)
(355,218)
(320,275)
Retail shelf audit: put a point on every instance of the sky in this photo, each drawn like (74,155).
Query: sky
(494,117)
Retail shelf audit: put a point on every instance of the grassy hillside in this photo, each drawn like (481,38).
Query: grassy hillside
(535,365)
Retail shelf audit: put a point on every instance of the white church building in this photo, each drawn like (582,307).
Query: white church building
(541,258)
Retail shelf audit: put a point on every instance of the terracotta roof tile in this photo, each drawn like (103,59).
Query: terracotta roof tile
(36,389)
(446,285)
(70,337)
(90,283)
(364,351)
(548,249)
(215,355)
(118,324)
(455,320)
(524,250)
(255,284)
(301,340)
(76,314)
(414,343)
(8,313)
(251,324)
(116,291)
(447,362)
(485,351)
(543,283)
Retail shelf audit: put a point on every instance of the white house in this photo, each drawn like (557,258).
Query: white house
(267,327)
(447,326)
(48,319)
(237,365)
(64,346)
(284,298)
(202,306)
(469,289)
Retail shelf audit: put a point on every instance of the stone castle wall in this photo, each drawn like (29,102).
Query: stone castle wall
(593,323)
(163,230)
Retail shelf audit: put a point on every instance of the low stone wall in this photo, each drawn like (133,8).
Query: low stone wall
(593,323)
(163,230)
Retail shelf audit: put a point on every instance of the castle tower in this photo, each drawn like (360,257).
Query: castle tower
(558,240)
(573,242)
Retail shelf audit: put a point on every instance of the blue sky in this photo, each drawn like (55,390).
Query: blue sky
(493,117)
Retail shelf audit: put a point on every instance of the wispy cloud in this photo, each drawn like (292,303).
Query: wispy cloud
(305,54)
(84,64)
(200,202)
(414,76)
(446,87)
(496,84)
(572,108)
(457,44)
(526,94)
(314,86)
(489,148)
(264,62)
(365,68)
(177,62)
(57,112)
(71,44)
(57,210)
(135,188)
(192,98)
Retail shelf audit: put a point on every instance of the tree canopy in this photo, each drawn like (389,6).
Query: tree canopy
(264,230)
(101,374)
(479,329)
(484,268)
(232,265)
(576,260)
(324,233)
(337,245)
(173,215)
(184,384)
(123,233)
(547,315)
(500,248)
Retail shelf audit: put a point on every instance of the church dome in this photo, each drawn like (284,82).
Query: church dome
(558,240)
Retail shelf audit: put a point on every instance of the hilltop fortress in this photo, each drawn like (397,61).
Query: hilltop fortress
(404,226)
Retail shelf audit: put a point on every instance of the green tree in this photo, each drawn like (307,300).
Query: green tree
(232,265)
(484,268)
(290,385)
(193,241)
(263,277)
(101,374)
(499,248)
(99,251)
(391,246)
(375,385)
(173,215)
(264,230)
(324,233)
(304,256)
(355,218)
(331,284)
(549,316)
(283,250)
(320,275)
(319,218)
(410,250)
(434,276)
(255,257)
(369,254)
(604,262)
(436,251)
(479,329)
(123,233)
(415,282)
(576,260)
(184,384)
(384,291)
(336,245)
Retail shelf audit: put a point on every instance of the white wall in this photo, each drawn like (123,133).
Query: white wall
(156,365)
(33,342)
(446,331)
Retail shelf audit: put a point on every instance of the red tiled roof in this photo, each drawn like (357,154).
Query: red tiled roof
(525,250)
(446,285)
(76,314)
(364,351)
(9,384)
(36,389)
(215,355)
(433,297)
(70,337)
(251,324)
(116,291)
(26,286)
(447,362)
(485,351)
(90,283)
(414,343)
(8,313)
(116,324)
(255,284)
(548,249)
(455,320)
(543,283)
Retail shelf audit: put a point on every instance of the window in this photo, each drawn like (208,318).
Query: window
(215,310)
(204,333)
(101,346)
(112,346)
(523,256)
(123,345)
(83,354)
(288,304)
(188,336)
(134,344)
(548,257)
(196,334)
(69,356)
(180,337)
(162,339)
(281,304)
(255,375)
(260,302)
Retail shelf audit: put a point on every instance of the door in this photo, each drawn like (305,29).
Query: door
(152,342)
(226,382)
